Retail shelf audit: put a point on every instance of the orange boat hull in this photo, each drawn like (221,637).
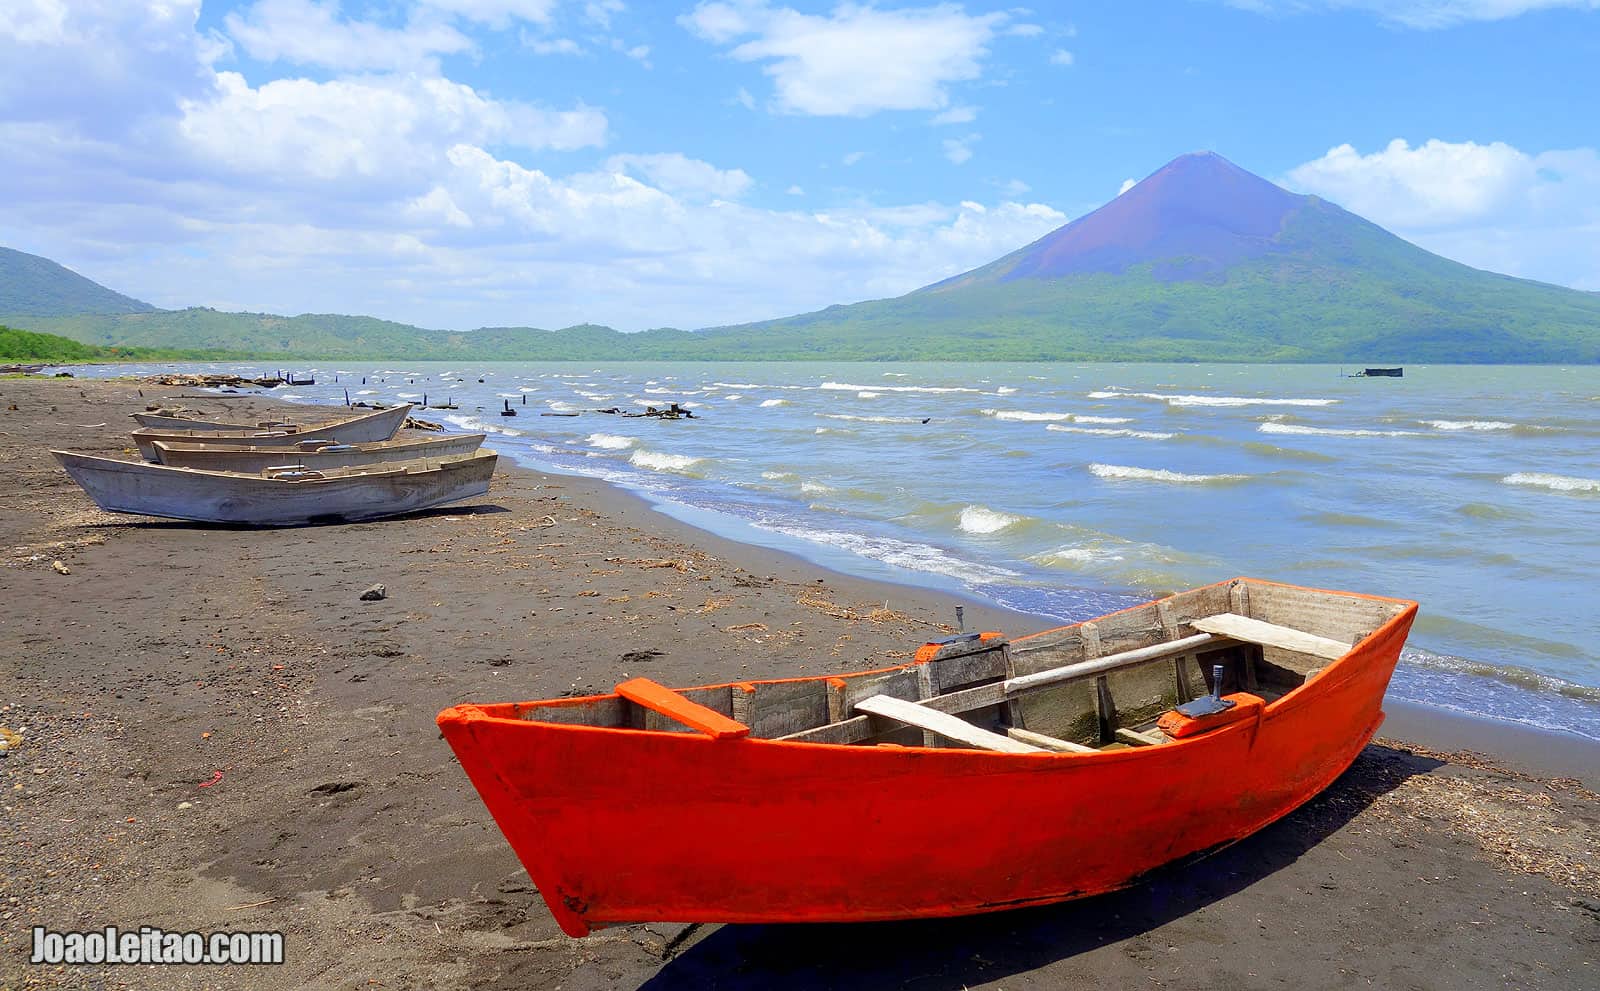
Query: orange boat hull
(620,826)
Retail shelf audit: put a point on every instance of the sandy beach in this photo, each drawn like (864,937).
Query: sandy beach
(218,734)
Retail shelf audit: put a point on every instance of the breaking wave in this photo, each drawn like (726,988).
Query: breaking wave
(1560,483)
(982,519)
(611,442)
(847,387)
(1127,472)
(659,461)
(1298,430)
(1178,399)
(1111,432)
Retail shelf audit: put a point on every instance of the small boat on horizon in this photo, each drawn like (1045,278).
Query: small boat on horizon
(987,774)
(288,495)
(252,458)
(365,428)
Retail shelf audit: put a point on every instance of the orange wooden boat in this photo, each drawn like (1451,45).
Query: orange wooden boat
(987,774)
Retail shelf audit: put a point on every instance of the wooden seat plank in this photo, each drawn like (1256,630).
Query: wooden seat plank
(659,698)
(944,724)
(1048,742)
(1255,631)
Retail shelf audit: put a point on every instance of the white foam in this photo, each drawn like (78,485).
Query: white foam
(900,553)
(1005,390)
(1178,399)
(408,395)
(868,395)
(982,519)
(659,461)
(1102,419)
(777,476)
(870,419)
(1158,475)
(367,392)
(814,488)
(1470,424)
(1301,430)
(1560,483)
(774,402)
(1025,416)
(847,387)
(612,442)
(1111,432)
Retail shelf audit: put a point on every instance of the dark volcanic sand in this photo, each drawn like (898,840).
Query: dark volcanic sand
(172,651)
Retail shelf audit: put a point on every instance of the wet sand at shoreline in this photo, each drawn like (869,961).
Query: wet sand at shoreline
(173,651)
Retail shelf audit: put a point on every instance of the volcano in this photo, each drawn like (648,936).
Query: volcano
(1199,214)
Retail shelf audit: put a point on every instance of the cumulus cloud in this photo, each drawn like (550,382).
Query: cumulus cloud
(1421,14)
(677,173)
(1061,57)
(856,61)
(306,32)
(366,126)
(1127,184)
(959,150)
(1490,205)
(413,196)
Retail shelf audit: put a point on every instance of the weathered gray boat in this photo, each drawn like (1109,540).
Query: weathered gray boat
(279,496)
(252,458)
(366,429)
(369,425)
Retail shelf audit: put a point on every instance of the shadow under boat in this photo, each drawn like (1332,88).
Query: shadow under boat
(955,953)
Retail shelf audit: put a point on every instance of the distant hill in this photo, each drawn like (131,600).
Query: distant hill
(35,286)
(28,347)
(1201,261)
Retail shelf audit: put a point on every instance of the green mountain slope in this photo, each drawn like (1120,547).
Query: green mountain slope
(35,286)
(1201,261)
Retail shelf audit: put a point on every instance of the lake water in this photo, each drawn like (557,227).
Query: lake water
(1071,490)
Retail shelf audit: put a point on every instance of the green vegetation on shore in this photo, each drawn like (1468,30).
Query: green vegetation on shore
(18,346)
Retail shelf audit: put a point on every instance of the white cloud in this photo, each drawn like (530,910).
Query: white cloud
(795,191)
(1436,184)
(552,46)
(838,65)
(496,13)
(1127,184)
(744,99)
(679,174)
(1061,57)
(1491,205)
(852,158)
(306,32)
(600,12)
(957,115)
(959,150)
(396,194)
(375,126)
(1422,14)
(1014,188)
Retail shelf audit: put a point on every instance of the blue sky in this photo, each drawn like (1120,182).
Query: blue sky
(458,163)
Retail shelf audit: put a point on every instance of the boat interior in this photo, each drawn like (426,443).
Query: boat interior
(1142,677)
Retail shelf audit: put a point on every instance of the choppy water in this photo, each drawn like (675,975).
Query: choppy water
(1069,490)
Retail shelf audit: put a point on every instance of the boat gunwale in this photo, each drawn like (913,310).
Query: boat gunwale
(1327,678)
(382,469)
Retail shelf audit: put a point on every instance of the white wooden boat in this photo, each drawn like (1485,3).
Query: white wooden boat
(286,496)
(252,458)
(368,428)
(376,421)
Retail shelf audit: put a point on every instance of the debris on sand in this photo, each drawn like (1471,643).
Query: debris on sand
(59,568)
(375,593)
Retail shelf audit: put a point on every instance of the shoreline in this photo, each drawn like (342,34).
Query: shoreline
(1527,748)
(219,735)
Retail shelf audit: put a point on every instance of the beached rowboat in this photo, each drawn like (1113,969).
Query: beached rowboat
(252,458)
(373,424)
(987,774)
(280,496)
(365,429)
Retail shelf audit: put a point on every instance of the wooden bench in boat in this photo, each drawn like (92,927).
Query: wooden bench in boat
(1219,630)
(1243,628)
